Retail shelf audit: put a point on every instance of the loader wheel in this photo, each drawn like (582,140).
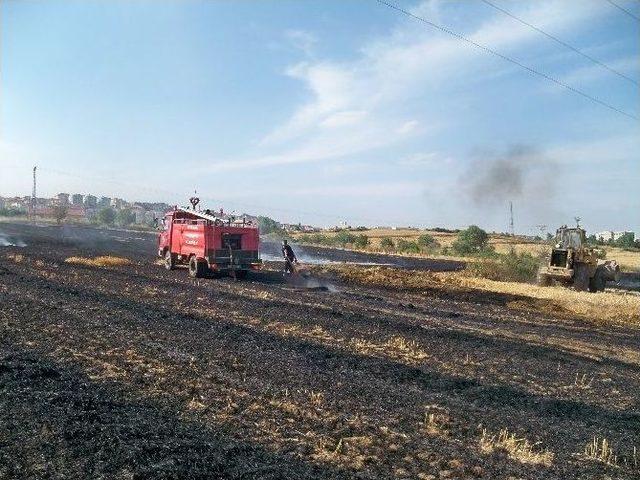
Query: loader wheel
(169,260)
(581,277)
(196,268)
(544,280)
(597,283)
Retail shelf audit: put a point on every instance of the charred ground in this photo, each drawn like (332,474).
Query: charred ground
(136,372)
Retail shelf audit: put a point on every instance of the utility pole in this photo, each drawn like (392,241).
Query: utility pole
(32,209)
(511,219)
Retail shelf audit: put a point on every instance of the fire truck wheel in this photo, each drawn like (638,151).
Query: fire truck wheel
(169,260)
(196,268)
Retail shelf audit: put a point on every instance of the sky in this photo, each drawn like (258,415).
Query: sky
(327,111)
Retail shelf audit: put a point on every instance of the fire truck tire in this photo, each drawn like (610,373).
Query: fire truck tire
(169,260)
(197,268)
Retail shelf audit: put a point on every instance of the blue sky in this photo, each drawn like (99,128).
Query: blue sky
(321,111)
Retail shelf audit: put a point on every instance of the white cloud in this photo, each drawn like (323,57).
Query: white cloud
(365,190)
(591,73)
(600,153)
(302,40)
(344,118)
(366,101)
(424,159)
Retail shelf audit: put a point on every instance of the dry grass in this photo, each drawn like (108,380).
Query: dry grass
(102,261)
(616,306)
(628,260)
(519,449)
(16,257)
(601,451)
(603,306)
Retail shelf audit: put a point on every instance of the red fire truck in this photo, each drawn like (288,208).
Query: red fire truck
(208,242)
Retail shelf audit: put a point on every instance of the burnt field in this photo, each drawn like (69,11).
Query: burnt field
(136,372)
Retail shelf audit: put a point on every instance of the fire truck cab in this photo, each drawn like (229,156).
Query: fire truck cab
(208,243)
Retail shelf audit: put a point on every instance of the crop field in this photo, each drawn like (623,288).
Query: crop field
(112,367)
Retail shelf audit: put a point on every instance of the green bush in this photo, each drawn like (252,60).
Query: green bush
(362,241)
(11,212)
(406,246)
(344,238)
(387,244)
(427,243)
(512,267)
(320,239)
(471,241)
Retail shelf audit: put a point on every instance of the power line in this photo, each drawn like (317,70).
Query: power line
(623,10)
(561,42)
(509,59)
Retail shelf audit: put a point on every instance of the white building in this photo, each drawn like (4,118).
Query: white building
(612,236)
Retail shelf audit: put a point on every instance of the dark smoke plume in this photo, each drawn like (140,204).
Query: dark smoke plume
(519,173)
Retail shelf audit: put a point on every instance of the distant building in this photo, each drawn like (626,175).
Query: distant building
(90,201)
(63,198)
(613,236)
(77,199)
(117,203)
(104,202)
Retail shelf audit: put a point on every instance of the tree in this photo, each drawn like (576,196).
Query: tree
(106,216)
(626,240)
(125,217)
(60,213)
(268,225)
(471,241)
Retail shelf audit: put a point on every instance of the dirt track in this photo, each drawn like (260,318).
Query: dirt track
(136,372)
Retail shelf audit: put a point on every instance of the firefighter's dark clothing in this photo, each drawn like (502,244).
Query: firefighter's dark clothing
(289,258)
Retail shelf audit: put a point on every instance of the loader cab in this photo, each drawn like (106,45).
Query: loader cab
(573,238)
(568,242)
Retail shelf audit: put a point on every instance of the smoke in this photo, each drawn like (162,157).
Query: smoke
(520,173)
(6,241)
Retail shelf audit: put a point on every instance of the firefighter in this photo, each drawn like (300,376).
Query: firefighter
(289,257)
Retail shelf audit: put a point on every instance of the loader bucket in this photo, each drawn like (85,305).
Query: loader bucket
(611,270)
